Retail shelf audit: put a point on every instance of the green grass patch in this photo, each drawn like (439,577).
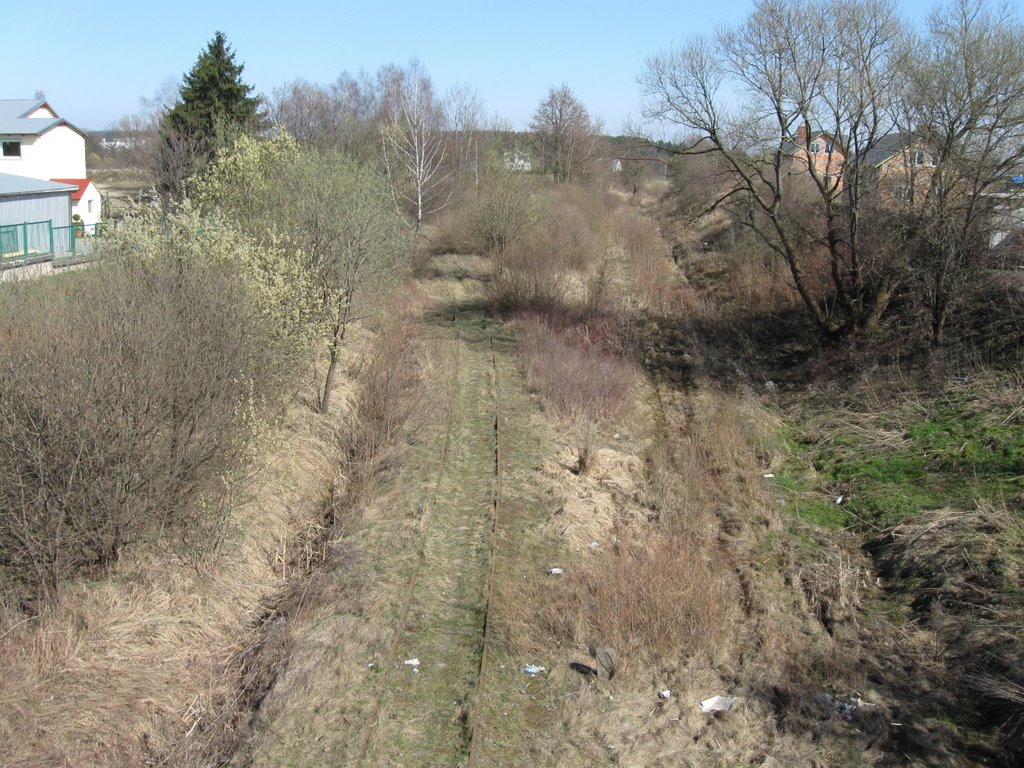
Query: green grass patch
(951,451)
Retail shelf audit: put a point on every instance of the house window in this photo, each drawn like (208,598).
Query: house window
(815,147)
(11,148)
(919,157)
(89,206)
(828,147)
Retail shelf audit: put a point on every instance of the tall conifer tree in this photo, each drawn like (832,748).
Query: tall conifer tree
(213,95)
(214,103)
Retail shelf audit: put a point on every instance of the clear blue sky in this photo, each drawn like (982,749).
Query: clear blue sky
(95,66)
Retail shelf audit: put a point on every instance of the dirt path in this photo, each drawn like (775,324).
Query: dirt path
(449,528)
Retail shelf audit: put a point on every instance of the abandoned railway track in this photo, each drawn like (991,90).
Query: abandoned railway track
(454,525)
(429,688)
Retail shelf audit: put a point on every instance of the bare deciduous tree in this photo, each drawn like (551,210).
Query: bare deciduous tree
(142,129)
(791,71)
(464,110)
(413,142)
(306,111)
(565,133)
(341,115)
(963,104)
(633,170)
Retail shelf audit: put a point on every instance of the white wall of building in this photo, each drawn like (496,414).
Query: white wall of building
(57,154)
(43,111)
(88,206)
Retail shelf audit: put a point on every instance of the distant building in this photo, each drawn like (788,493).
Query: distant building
(43,183)
(904,165)
(35,219)
(85,201)
(35,142)
(818,150)
(117,144)
(517,161)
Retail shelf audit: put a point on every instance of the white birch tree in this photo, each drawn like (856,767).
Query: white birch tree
(413,144)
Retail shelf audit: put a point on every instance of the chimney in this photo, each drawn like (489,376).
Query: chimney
(801,135)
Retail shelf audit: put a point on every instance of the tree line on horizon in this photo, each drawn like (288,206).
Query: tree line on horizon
(428,144)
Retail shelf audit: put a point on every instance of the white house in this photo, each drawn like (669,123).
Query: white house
(37,143)
(85,202)
(517,161)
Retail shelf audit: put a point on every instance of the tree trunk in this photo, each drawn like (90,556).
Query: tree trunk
(939,315)
(332,367)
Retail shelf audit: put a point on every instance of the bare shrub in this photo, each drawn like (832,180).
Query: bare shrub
(546,269)
(501,214)
(578,369)
(526,275)
(128,395)
(755,284)
(572,233)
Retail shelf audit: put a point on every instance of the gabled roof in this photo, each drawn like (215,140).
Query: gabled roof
(889,146)
(13,120)
(80,184)
(789,146)
(22,185)
(21,107)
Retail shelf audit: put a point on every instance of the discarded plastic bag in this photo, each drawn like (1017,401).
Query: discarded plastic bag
(411,662)
(533,670)
(717,704)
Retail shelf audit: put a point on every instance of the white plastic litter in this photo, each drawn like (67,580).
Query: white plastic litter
(768,475)
(411,662)
(555,571)
(665,694)
(595,544)
(533,670)
(839,498)
(718,704)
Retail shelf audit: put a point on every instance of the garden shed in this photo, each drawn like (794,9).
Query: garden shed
(35,219)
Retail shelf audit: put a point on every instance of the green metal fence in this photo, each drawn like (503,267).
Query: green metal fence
(41,241)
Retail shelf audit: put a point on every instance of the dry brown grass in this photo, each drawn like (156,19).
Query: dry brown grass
(160,662)
(115,672)
(710,459)
(652,600)
(655,281)
(389,373)
(691,583)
